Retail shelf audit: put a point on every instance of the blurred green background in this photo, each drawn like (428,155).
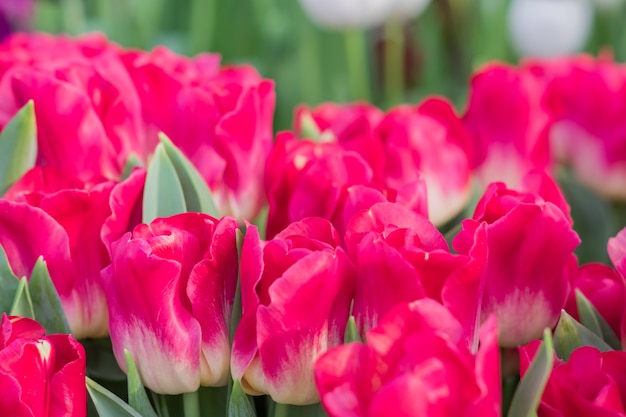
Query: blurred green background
(440,48)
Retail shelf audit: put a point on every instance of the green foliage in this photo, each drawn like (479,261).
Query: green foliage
(18,146)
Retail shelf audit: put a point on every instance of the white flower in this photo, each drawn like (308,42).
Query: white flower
(348,13)
(549,27)
(361,13)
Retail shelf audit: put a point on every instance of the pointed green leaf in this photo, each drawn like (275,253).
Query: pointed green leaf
(46,303)
(132,162)
(137,397)
(239,404)
(8,282)
(352,333)
(163,194)
(18,146)
(530,389)
(22,304)
(198,197)
(591,319)
(101,362)
(310,129)
(107,403)
(569,335)
(236,314)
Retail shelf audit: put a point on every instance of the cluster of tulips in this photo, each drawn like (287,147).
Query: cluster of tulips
(148,207)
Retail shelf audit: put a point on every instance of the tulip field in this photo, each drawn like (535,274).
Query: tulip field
(313,208)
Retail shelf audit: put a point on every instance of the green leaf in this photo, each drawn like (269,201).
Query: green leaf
(310,129)
(591,319)
(101,362)
(8,282)
(18,146)
(569,335)
(352,333)
(107,403)
(22,304)
(530,389)
(137,397)
(239,404)
(163,193)
(132,162)
(198,197)
(236,314)
(46,303)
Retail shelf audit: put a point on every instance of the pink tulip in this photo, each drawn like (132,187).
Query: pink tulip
(415,363)
(521,247)
(508,124)
(40,376)
(428,142)
(46,213)
(400,257)
(170,290)
(296,292)
(588,131)
(220,118)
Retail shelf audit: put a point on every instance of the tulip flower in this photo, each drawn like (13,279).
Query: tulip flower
(48,213)
(296,291)
(170,290)
(508,125)
(415,363)
(587,128)
(40,376)
(521,247)
(348,13)
(400,257)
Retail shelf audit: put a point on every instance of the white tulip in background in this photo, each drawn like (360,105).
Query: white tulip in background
(549,27)
(348,13)
(361,13)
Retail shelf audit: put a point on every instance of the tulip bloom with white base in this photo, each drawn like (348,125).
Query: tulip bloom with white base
(549,27)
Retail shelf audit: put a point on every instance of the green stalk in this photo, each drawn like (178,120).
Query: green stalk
(202,15)
(310,58)
(191,404)
(281,410)
(73,15)
(358,64)
(394,62)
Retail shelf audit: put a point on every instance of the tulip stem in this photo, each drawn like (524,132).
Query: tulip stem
(191,404)
(356,54)
(281,410)
(394,62)
(201,24)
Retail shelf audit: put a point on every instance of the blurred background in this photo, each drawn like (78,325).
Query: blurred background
(382,51)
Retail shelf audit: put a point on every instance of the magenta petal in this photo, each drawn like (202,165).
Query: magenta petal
(385,279)
(307,315)
(125,204)
(347,377)
(251,264)
(383,215)
(211,291)
(148,317)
